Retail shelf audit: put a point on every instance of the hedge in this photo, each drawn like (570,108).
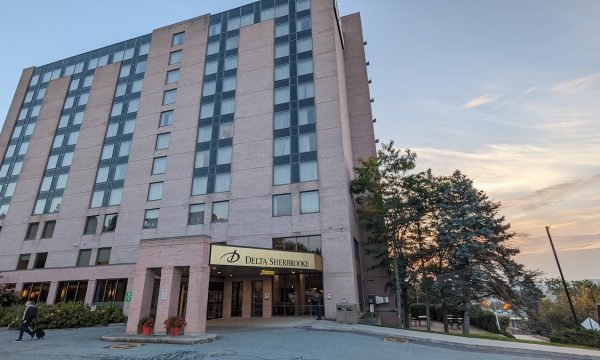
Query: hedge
(486,320)
(63,315)
(418,309)
(578,336)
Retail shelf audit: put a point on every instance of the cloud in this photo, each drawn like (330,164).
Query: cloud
(479,101)
(576,86)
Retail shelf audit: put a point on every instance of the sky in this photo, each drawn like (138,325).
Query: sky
(507,91)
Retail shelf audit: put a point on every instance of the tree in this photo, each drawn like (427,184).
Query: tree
(382,207)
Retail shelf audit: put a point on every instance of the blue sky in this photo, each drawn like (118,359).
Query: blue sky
(506,90)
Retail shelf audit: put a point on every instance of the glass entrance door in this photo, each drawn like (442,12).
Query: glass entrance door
(257,298)
(237,298)
(215,300)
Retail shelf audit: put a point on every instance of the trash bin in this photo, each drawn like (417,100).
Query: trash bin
(340,313)
(346,313)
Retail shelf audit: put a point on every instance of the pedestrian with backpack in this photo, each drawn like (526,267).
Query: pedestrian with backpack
(28,315)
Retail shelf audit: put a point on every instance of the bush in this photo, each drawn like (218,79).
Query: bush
(452,310)
(418,309)
(578,336)
(64,315)
(486,320)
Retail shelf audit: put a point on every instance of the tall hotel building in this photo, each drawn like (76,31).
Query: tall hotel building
(200,170)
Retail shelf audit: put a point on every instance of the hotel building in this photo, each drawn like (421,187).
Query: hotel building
(201,170)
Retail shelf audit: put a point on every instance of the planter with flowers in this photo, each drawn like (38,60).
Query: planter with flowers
(175,325)
(147,325)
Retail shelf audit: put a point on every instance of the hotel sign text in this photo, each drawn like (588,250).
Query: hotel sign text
(265,258)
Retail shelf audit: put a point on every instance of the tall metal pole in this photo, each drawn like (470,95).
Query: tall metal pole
(562,277)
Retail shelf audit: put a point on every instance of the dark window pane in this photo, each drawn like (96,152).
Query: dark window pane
(91,224)
(23,262)
(110,222)
(84,257)
(103,256)
(32,231)
(48,229)
(40,260)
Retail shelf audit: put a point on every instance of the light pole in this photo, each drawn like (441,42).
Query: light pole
(562,277)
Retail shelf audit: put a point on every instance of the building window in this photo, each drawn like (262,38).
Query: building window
(220,212)
(304,67)
(303,24)
(282,50)
(110,222)
(23,261)
(306,90)
(282,29)
(71,291)
(91,224)
(282,72)
(224,155)
(172,76)
(120,172)
(222,182)
(211,67)
(309,202)
(40,260)
(175,57)
(204,133)
(137,86)
(196,214)
(227,106)
(282,95)
(281,146)
(166,118)
(304,44)
(103,256)
(159,165)
(162,141)
(36,292)
(282,120)
(310,244)
(233,24)
(115,197)
(214,29)
(213,48)
(48,229)
(209,88)
(199,185)
(306,116)
(155,191)
(110,290)
(302,5)
(229,83)
(202,159)
(225,131)
(207,110)
(282,205)
(308,171)
(307,142)
(232,43)
(84,257)
(178,39)
(169,97)
(281,174)
(32,229)
(151,219)
(230,62)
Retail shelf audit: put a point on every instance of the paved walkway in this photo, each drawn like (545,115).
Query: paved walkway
(496,346)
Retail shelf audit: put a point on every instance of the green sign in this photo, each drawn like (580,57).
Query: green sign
(128,296)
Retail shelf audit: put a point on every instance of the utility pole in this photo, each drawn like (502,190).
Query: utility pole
(562,277)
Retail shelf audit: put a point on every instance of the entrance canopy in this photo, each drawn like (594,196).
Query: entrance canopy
(269,261)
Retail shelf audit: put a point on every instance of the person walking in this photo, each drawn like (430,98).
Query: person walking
(28,315)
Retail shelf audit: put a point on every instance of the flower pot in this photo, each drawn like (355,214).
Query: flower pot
(146,330)
(176,331)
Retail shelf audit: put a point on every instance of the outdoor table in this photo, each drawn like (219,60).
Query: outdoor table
(423,317)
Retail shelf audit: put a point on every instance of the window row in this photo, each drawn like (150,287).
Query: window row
(310,244)
(92,64)
(308,171)
(48,231)
(304,90)
(309,203)
(306,143)
(85,255)
(107,290)
(39,262)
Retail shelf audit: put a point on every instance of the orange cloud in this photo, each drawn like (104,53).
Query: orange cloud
(479,101)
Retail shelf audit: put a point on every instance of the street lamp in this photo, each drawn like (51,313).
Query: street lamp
(562,277)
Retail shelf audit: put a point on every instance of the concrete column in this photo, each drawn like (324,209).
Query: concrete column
(267,303)
(170,282)
(19,289)
(126,305)
(141,298)
(52,292)
(300,296)
(197,300)
(227,294)
(89,294)
(247,300)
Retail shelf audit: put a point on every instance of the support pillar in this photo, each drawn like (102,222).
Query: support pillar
(52,292)
(170,283)
(197,299)
(267,303)
(89,294)
(141,299)
(227,294)
(247,299)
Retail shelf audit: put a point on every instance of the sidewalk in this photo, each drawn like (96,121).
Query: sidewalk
(495,346)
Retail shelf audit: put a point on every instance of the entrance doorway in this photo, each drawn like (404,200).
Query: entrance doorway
(257,298)
(237,298)
(297,294)
(215,300)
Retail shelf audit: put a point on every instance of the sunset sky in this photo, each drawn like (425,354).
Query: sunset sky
(507,91)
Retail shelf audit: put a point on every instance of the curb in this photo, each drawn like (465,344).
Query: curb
(462,346)
(176,340)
